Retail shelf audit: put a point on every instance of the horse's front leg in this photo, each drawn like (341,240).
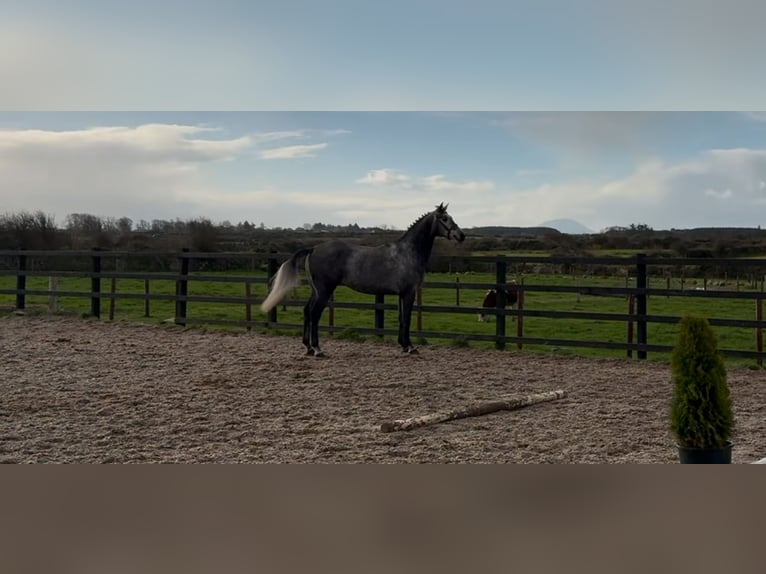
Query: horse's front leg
(406,302)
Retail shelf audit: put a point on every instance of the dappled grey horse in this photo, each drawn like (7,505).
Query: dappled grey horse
(397,268)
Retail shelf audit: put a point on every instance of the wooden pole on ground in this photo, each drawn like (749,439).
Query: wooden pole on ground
(506,404)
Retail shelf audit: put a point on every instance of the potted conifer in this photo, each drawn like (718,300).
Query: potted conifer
(701,414)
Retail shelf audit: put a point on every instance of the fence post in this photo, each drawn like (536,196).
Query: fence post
(631,311)
(331,311)
(248,306)
(182,289)
(641,302)
(113,289)
(53,300)
(379,313)
(147,299)
(520,316)
(273,268)
(457,291)
(21,282)
(112,298)
(759,330)
(95,285)
(500,277)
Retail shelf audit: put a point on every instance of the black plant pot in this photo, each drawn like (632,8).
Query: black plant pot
(713,455)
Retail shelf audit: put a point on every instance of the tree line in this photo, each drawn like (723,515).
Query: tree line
(39,231)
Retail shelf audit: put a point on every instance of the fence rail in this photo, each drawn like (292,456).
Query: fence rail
(108,266)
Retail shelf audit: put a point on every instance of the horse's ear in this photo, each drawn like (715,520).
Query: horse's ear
(441,208)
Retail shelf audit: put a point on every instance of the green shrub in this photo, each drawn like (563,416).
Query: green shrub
(701,410)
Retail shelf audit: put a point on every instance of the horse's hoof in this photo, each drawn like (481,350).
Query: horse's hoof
(318,353)
(411,351)
(309,352)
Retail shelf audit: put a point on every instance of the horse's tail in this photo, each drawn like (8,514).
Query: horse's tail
(287,278)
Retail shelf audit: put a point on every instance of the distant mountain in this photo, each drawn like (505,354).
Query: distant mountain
(567,226)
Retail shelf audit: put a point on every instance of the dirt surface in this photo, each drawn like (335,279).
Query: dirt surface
(75,390)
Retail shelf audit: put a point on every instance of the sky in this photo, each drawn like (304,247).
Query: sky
(350,123)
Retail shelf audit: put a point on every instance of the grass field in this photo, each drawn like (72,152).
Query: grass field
(461,323)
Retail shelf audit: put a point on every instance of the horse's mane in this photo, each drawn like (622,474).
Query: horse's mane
(441,208)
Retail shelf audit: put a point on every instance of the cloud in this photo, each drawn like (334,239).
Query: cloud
(161,171)
(331,133)
(292,152)
(431,183)
(145,171)
(40,64)
(90,59)
(440,183)
(725,194)
(265,137)
(385,177)
(531,172)
(583,135)
(283,207)
(720,188)
(166,171)
(87,59)
(755,116)
(151,142)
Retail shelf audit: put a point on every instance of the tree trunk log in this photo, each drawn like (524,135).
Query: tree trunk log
(507,404)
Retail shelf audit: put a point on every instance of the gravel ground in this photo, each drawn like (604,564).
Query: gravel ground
(76,390)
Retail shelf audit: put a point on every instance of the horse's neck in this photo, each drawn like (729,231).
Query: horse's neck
(420,239)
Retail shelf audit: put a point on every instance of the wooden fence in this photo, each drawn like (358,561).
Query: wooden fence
(100,265)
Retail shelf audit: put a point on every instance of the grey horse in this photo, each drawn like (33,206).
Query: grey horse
(396,268)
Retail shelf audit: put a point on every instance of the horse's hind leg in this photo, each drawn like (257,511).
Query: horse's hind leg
(307,324)
(312,313)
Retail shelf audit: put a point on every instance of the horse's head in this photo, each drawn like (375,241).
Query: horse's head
(445,226)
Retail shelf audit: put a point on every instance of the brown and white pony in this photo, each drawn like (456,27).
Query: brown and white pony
(490,299)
